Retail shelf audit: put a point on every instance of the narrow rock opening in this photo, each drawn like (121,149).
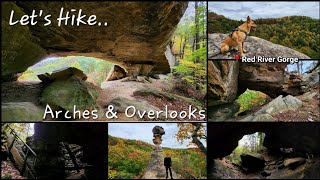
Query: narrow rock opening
(264,155)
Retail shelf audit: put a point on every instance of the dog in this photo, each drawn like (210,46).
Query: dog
(237,37)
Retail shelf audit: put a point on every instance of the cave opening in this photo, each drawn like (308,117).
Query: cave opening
(39,150)
(51,79)
(95,69)
(247,156)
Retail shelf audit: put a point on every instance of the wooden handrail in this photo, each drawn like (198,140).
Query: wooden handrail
(25,144)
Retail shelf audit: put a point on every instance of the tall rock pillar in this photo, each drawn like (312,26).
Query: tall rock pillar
(156,169)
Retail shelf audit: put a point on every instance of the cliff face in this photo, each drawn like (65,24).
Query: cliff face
(137,33)
(265,77)
(223,81)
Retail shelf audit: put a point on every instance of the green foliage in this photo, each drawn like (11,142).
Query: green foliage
(250,99)
(22,129)
(253,146)
(190,163)
(192,58)
(69,92)
(6,176)
(95,69)
(128,159)
(297,32)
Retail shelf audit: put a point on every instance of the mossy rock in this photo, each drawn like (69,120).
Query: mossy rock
(19,48)
(250,99)
(69,92)
(21,112)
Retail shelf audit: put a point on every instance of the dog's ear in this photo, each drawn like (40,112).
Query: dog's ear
(248,19)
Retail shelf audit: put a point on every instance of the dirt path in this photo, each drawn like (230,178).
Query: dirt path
(309,112)
(123,94)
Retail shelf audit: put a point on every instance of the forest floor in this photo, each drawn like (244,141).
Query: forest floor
(154,95)
(237,173)
(309,112)
(9,171)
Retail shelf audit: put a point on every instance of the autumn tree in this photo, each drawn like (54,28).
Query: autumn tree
(194,133)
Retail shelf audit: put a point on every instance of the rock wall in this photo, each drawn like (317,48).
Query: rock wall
(264,77)
(223,81)
(223,137)
(46,141)
(137,33)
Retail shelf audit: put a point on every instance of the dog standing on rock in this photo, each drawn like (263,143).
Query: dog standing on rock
(237,37)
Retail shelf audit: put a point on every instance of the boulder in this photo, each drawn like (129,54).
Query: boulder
(136,33)
(279,105)
(252,163)
(223,112)
(222,81)
(158,130)
(251,99)
(255,47)
(116,72)
(265,77)
(293,163)
(65,93)
(21,112)
(303,171)
(63,73)
(297,85)
(263,118)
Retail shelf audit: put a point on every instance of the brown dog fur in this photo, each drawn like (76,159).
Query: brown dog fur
(238,37)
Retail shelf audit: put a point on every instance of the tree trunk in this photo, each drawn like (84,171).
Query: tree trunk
(260,139)
(315,67)
(181,47)
(197,45)
(196,140)
(184,46)
(298,67)
(204,26)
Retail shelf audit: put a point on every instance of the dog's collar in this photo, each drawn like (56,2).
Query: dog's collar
(238,29)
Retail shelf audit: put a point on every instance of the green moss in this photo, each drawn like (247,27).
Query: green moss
(250,99)
(6,176)
(20,112)
(70,92)
(19,48)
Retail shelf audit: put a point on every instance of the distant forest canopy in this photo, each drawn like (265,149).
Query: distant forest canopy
(296,32)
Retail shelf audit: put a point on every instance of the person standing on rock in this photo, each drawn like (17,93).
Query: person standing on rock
(167,164)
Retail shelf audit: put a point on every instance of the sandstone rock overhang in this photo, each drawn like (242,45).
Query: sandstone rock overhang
(224,137)
(137,33)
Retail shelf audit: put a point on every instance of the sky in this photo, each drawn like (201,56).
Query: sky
(264,9)
(143,132)
(307,65)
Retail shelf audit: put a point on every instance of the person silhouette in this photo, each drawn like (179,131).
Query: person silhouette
(167,164)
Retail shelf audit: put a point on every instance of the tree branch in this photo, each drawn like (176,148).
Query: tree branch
(196,140)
